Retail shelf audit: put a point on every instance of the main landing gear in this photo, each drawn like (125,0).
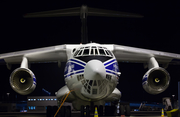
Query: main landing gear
(123,109)
(86,111)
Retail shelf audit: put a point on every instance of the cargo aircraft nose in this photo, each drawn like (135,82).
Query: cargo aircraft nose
(95,70)
(95,80)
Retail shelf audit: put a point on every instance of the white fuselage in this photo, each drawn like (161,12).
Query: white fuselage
(92,72)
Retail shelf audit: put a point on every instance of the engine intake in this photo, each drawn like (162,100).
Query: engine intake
(23,81)
(156,80)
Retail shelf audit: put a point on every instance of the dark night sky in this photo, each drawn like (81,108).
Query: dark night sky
(158,30)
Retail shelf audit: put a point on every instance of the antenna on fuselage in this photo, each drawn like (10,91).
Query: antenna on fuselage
(83,12)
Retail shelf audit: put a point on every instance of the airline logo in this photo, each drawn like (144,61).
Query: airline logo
(74,66)
(111,66)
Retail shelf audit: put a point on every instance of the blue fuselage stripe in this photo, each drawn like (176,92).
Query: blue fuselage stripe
(73,73)
(78,61)
(109,62)
(111,72)
(75,66)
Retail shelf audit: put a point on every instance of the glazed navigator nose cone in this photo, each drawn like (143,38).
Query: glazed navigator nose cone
(94,70)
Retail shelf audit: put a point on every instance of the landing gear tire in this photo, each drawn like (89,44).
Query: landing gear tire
(68,111)
(122,110)
(82,111)
(55,108)
(87,111)
(100,110)
(62,111)
(127,110)
(49,111)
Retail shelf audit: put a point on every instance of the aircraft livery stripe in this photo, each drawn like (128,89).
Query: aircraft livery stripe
(112,67)
(78,61)
(144,80)
(73,73)
(72,66)
(77,72)
(111,72)
(34,81)
(109,62)
(72,62)
(69,75)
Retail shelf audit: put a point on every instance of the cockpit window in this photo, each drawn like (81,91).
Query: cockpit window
(80,53)
(101,51)
(86,52)
(76,52)
(82,48)
(96,52)
(110,53)
(92,50)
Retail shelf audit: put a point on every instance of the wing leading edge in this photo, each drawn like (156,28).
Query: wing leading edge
(47,54)
(62,53)
(138,55)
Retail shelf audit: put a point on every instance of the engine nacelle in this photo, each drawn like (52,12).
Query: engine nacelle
(156,80)
(23,81)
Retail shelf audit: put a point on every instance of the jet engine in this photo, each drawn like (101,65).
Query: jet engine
(23,81)
(156,80)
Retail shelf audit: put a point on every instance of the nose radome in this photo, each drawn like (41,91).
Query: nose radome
(94,70)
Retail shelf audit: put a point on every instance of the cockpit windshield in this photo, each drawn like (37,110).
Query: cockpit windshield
(92,50)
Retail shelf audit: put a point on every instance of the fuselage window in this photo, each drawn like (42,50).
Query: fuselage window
(88,91)
(95,84)
(90,83)
(74,50)
(83,82)
(87,81)
(94,91)
(99,82)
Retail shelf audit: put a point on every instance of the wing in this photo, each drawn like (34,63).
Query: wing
(138,55)
(47,54)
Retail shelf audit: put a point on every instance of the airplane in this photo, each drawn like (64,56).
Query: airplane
(92,70)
